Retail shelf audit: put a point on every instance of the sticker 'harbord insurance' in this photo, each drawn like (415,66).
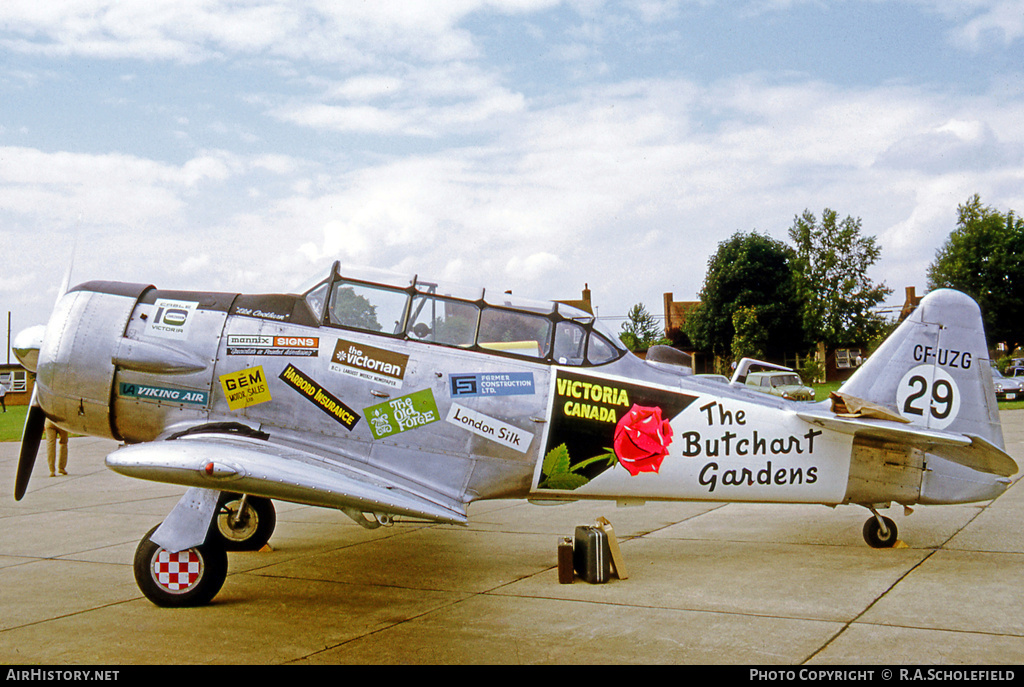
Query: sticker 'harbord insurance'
(319,396)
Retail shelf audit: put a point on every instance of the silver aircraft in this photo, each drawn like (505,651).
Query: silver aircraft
(393,398)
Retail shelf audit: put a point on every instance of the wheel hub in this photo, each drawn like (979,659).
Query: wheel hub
(178,572)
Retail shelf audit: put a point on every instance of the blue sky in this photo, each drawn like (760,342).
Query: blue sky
(531,145)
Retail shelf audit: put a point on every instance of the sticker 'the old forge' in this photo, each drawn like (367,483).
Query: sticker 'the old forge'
(391,398)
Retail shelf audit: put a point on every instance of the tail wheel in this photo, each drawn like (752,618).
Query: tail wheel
(876,537)
(244,523)
(184,578)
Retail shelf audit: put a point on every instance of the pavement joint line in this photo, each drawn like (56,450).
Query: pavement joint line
(901,578)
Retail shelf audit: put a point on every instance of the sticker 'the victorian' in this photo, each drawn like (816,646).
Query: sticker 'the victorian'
(642,438)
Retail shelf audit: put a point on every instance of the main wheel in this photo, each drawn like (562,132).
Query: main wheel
(245,528)
(186,578)
(873,533)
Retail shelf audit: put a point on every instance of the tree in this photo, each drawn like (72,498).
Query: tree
(750,299)
(750,339)
(832,261)
(984,258)
(640,331)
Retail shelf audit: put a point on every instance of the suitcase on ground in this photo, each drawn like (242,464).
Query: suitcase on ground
(591,555)
(565,562)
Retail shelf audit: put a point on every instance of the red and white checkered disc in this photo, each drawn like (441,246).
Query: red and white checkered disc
(177,572)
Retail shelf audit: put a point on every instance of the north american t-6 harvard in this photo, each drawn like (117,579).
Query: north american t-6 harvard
(402,398)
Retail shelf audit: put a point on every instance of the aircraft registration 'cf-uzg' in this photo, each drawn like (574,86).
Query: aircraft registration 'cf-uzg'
(386,397)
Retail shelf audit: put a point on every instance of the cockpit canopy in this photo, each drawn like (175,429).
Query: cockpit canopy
(470,319)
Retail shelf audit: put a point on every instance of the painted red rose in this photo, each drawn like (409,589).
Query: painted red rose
(642,439)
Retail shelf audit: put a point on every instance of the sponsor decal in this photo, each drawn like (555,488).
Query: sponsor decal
(246,387)
(319,396)
(402,414)
(369,363)
(739,451)
(171,319)
(658,442)
(599,423)
(159,393)
(263,344)
(492,384)
(490,428)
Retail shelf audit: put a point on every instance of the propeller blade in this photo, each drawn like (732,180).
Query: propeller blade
(31,436)
(28,345)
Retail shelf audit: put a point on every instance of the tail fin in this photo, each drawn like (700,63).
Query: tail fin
(934,370)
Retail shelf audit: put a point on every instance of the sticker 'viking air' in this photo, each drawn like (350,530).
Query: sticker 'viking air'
(161,393)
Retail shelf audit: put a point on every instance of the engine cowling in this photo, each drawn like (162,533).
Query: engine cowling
(75,372)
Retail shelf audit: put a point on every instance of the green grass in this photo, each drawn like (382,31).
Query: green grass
(12,422)
(821,391)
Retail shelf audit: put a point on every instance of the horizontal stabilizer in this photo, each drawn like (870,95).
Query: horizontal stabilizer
(968,450)
(275,471)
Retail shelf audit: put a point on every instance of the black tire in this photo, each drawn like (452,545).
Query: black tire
(251,530)
(873,533)
(157,578)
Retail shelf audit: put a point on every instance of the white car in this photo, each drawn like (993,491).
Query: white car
(1007,388)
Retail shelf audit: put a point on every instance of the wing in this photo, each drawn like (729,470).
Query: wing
(279,471)
(971,451)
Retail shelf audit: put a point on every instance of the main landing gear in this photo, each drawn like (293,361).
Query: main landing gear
(192,577)
(244,523)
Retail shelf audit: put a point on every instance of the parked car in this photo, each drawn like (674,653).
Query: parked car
(1015,368)
(785,384)
(1007,388)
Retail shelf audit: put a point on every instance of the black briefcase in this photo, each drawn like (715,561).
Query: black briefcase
(591,556)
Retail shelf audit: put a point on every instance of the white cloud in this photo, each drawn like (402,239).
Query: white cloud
(617,179)
(998,22)
(196,30)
